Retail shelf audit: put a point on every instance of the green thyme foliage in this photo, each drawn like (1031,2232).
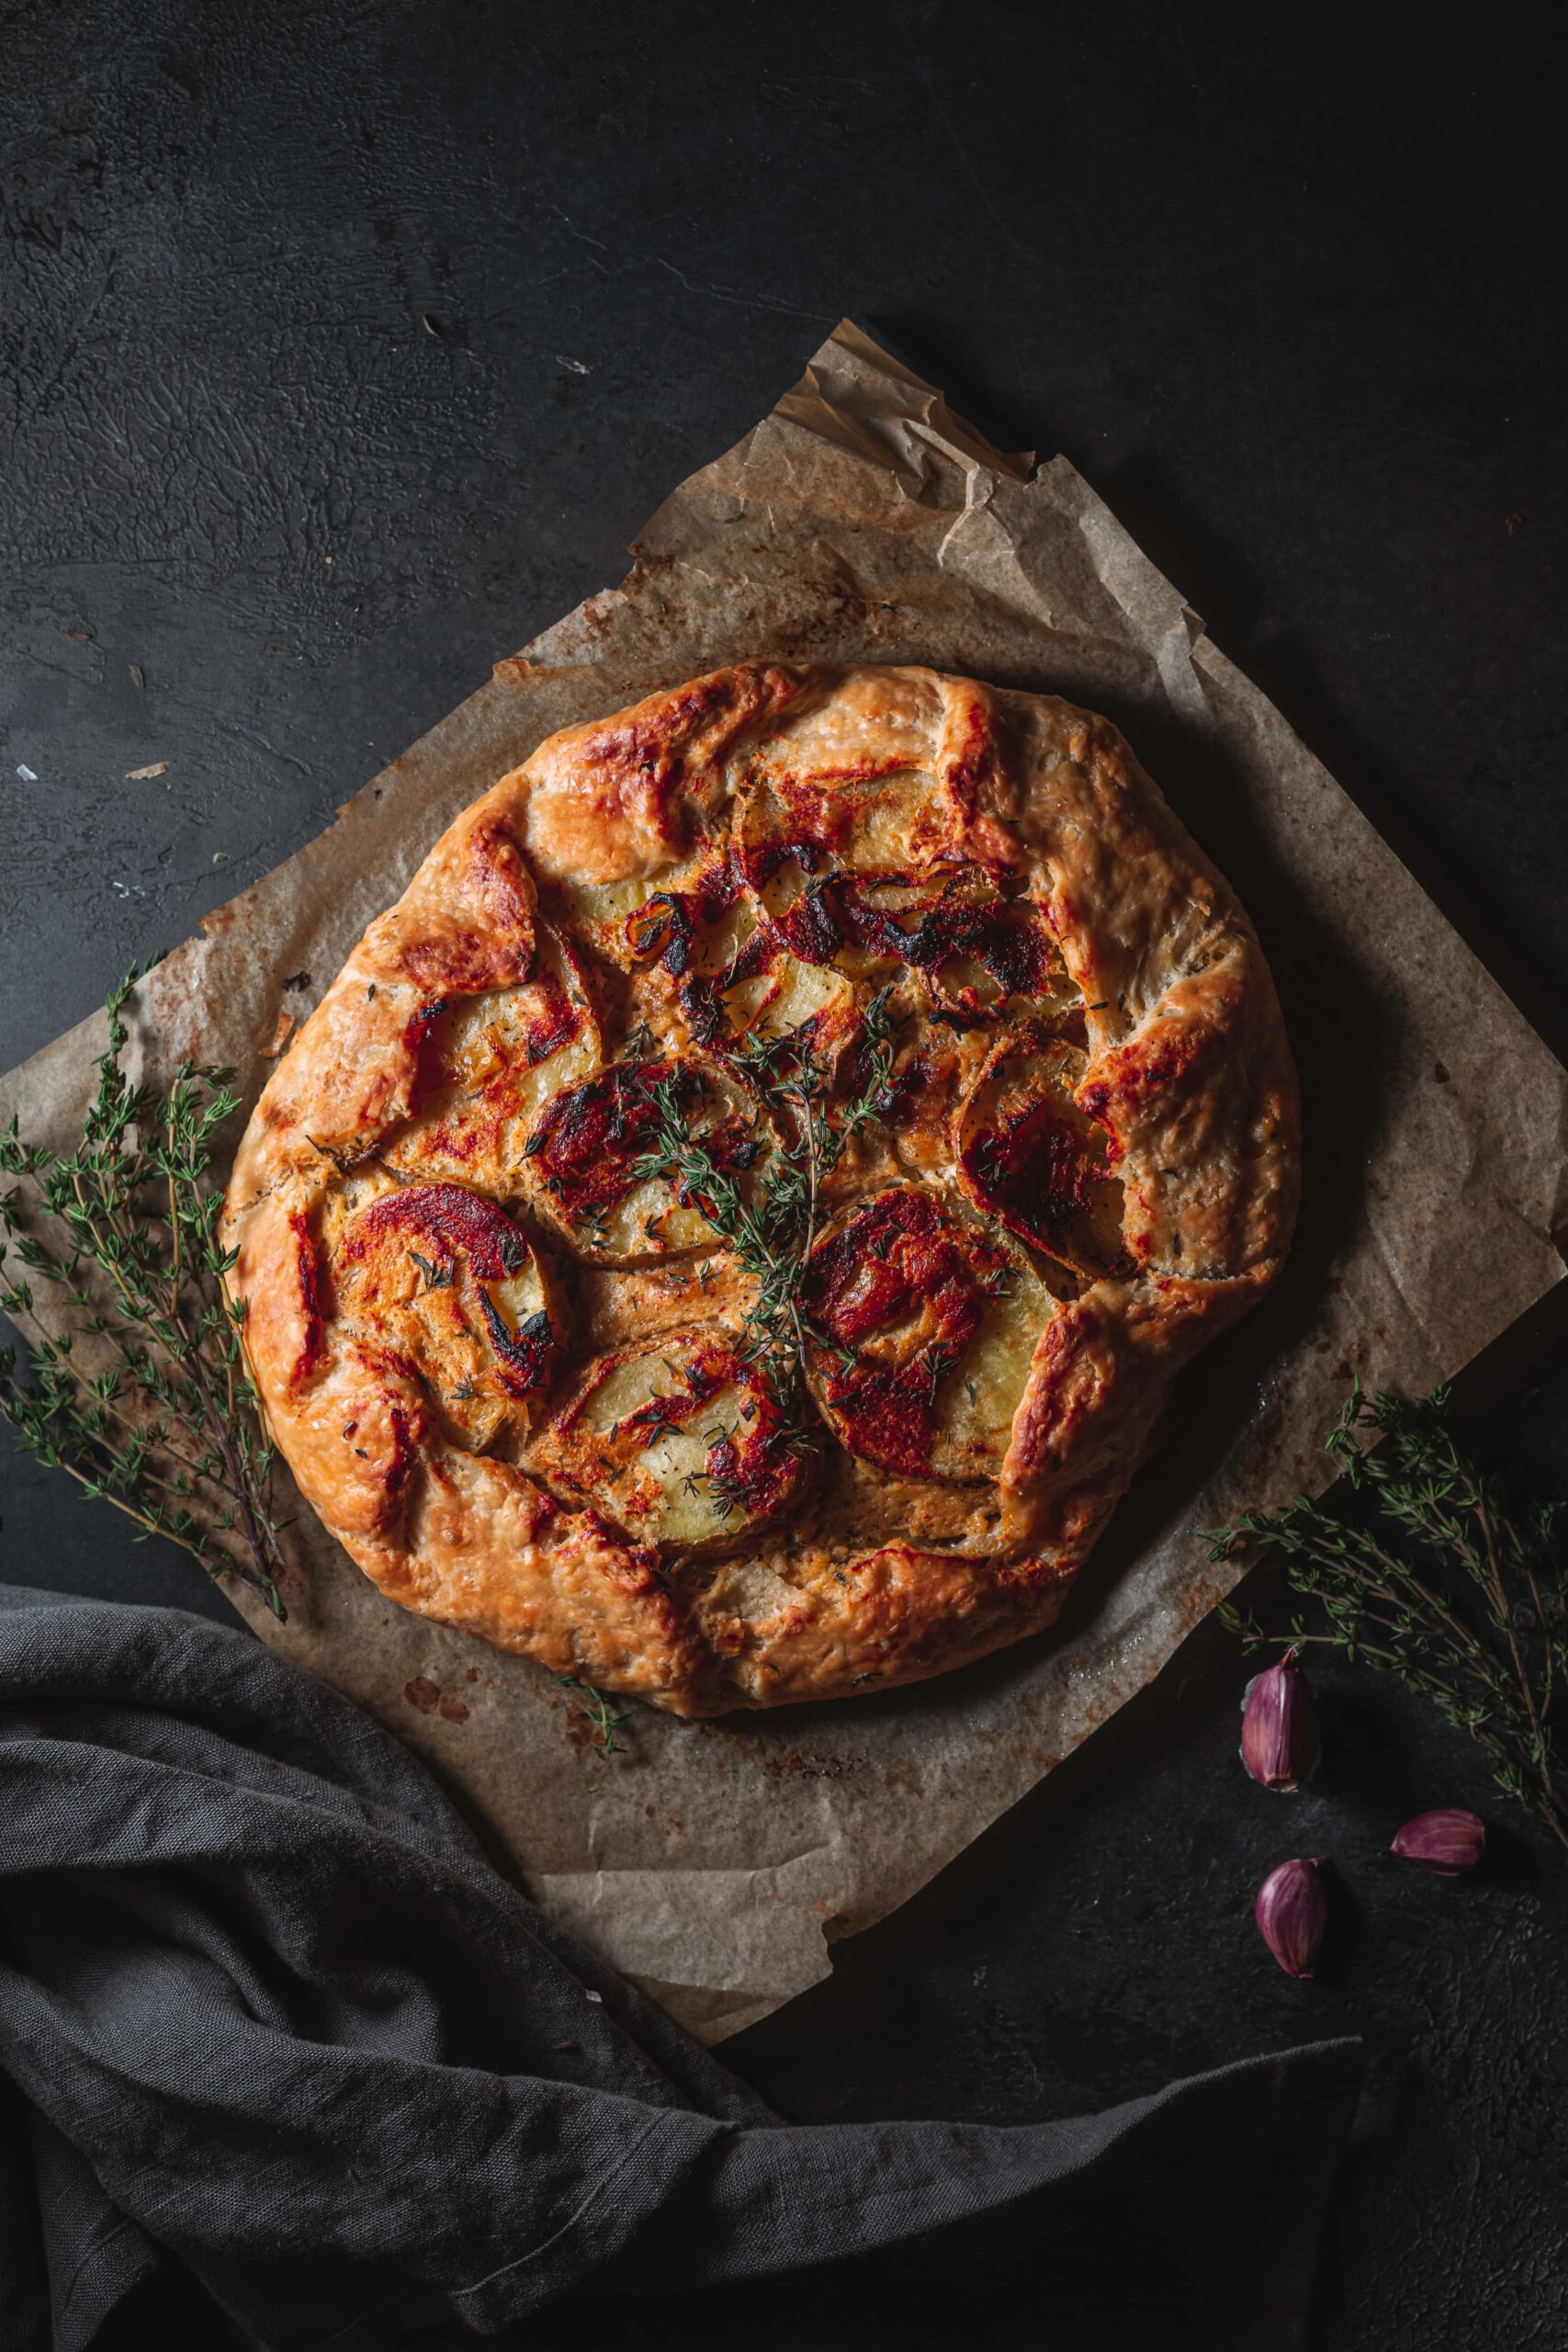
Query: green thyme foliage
(596,1706)
(1429,1574)
(772,1228)
(144,1399)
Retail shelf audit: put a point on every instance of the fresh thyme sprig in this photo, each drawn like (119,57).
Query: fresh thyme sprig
(144,1399)
(1432,1576)
(771,1233)
(596,1707)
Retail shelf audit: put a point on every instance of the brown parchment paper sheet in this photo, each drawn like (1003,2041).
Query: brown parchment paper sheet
(862,521)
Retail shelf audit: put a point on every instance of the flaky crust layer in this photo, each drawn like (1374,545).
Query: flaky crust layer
(1074,1161)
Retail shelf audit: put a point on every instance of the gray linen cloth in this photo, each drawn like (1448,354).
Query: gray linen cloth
(278,2042)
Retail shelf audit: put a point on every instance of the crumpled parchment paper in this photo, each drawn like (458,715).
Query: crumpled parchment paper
(862,521)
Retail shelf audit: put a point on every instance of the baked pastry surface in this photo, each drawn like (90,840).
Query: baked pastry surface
(728,1231)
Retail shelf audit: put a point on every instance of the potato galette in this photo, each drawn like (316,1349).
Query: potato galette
(726,1231)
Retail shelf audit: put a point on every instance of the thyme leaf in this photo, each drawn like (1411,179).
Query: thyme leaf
(436,1276)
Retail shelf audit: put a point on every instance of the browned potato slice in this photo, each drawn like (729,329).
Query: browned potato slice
(895,821)
(582,1159)
(774,996)
(733,977)
(490,1063)
(612,918)
(980,952)
(679,1442)
(1027,1154)
(922,1329)
(446,1281)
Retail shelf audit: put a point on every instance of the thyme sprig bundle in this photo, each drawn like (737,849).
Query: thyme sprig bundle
(144,1399)
(1432,1575)
(773,1234)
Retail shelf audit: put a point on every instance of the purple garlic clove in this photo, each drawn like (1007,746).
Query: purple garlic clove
(1448,1841)
(1291,1914)
(1278,1726)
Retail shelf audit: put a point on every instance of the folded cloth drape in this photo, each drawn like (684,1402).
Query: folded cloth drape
(273,2027)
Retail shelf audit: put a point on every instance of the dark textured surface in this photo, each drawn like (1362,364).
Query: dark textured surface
(1288,291)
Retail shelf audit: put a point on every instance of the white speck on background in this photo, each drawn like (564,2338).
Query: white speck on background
(27,775)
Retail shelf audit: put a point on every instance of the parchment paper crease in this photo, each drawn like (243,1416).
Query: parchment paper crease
(862,521)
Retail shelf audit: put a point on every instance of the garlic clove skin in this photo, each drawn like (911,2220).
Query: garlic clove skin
(1291,1912)
(1448,1841)
(1279,1743)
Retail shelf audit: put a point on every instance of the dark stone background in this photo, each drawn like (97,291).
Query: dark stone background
(1287,284)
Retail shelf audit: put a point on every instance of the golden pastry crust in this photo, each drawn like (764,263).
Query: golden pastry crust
(1041,1135)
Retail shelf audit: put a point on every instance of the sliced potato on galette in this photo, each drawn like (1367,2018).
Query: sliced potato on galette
(679,1442)
(490,1063)
(594,1162)
(451,1285)
(921,1326)
(1028,1154)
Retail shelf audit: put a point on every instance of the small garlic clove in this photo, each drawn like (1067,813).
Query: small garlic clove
(1448,1840)
(1278,1726)
(1291,1912)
